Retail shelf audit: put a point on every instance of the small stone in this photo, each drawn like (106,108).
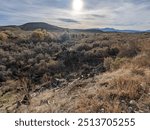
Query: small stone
(123,104)
(102,110)
(133,102)
(130,110)
(140,111)
(33,95)
(123,111)
(123,101)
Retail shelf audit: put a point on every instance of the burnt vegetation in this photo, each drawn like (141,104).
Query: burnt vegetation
(43,71)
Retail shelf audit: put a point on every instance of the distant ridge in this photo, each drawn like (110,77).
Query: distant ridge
(117,30)
(113,30)
(36,25)
(93,30)
(41,25)
(123,31)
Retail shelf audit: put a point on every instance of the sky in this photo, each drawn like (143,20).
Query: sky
(120,14)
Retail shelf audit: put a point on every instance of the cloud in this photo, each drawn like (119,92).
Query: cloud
(124,14)
(68,20)
(98,16)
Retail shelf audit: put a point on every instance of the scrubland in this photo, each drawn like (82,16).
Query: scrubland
(43,71)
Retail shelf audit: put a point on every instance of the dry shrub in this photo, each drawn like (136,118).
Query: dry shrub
(145,46)
(83,47)
(38,35)
(42,35)
(129,51)
(141,60)
(3,36)
(114,64)
(10,34)
(87,104)
(22,37)
(64,37)
(113,107)
(108,63)
(51,37)
(118,63)
(55,66)
(51,66)
(137,71)
(129,88)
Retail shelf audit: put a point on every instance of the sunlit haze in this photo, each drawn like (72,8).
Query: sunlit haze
(120,14)
(77,5)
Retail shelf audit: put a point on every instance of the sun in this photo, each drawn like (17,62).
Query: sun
(77,5)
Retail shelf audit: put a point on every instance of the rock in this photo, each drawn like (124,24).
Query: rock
(33,95)
(123,105)
(102,110)
(133,102)
(123,101)
(140,111)
(130,110)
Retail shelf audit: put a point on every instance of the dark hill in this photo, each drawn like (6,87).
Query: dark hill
(40,25)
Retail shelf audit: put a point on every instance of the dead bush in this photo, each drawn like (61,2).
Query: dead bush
(38,35)
(128,88)
(114,64)
(64,37)
(3,36)
(129,51)
(83,47)
(55,66)
(141,60)
(138,71)
(108,63)
(10,34)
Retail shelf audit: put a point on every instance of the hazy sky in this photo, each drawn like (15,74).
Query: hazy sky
(121,14)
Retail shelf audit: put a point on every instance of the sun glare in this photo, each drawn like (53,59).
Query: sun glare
(77,5)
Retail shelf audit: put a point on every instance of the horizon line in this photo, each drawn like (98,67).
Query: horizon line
(106,27)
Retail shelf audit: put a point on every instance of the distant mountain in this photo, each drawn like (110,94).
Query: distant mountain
(96,30)
(41,25)
(11,27)
(92,30)
(36,25)
(117,30)
(108,29)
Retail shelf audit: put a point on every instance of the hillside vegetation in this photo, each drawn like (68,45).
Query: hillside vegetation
(43,71)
